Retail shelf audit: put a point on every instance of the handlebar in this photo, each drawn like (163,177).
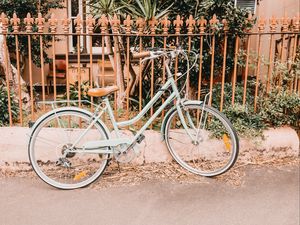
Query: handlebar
(156,53)
(169,53)
(141,55)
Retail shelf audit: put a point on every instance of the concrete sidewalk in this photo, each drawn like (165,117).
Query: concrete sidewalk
(268,196)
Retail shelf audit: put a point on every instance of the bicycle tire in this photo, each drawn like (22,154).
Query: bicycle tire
(184,158)
(68,112)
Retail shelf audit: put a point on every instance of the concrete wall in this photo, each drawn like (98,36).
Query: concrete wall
(277,143)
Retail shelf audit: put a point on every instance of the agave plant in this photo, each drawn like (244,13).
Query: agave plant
(106,7)
(145,8)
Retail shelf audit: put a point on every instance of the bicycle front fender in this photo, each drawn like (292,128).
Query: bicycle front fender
(168,114)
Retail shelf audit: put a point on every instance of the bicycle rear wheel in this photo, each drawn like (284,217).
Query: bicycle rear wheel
(212,146)
(50,138)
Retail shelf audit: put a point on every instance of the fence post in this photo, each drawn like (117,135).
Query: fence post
(40,24)
(29,21)
(249,19)
(78,27)
(273,25)
(90,22)
(178,24)
(128,23)
(190,22)
(226,28)
(15,21)
(140,25)
(213,23)
(65,22)
(261,28)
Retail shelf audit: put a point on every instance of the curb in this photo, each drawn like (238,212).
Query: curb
(280,143)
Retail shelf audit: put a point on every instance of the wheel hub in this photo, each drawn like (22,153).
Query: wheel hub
(67,147)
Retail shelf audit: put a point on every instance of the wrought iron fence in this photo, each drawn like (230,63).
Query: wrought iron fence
(225,58)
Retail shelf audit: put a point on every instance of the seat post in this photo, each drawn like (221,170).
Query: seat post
(111,115)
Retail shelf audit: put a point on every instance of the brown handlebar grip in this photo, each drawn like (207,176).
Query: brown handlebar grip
(140,55)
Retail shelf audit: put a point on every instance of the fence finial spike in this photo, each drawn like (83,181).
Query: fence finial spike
(166,24)
(28,21)
(178,23)
(273,24)
(225,25)
(285,22)
(115,22)
(15,21)
(202,22)
(213,22)
(153,22)
(103,22)
(140,22)
(190,22)
(40,22)
(90,22)
(4,21)
(65,22)
(128,23)
(78,22)
(53,23)
(261,24)
(296,23)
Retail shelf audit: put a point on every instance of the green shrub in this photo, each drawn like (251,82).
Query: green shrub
(279,108)
(4,112)
(74,92)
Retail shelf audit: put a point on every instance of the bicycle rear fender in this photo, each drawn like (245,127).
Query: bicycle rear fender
(67,108)
(164,123)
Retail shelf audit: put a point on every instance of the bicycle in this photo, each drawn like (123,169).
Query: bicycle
(70,147)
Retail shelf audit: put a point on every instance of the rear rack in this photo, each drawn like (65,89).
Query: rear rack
(54,104)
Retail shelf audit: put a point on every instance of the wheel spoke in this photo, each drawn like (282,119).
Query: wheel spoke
(82,169)
(47,141)
(207,154)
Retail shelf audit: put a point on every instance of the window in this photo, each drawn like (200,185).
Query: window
(246,4)
(76,7)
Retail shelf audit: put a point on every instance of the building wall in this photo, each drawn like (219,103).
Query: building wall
(265,9)
(278,8)
(60,48)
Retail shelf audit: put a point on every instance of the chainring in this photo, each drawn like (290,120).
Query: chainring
(124,153)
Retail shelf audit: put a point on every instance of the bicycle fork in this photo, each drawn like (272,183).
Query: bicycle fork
(189,122)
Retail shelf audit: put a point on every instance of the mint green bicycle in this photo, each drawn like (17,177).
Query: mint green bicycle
(70,147)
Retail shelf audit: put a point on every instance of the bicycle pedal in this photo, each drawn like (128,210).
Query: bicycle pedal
(140,138)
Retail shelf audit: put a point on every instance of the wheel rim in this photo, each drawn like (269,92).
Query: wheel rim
(50,140)
(215,149)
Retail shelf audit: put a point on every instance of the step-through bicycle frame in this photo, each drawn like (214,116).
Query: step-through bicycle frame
(97,146)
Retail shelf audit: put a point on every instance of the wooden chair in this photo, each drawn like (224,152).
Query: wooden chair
(61,71)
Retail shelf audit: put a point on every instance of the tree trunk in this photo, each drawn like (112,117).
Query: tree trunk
(118,69)
(109,51)
(119,72)
(12,73)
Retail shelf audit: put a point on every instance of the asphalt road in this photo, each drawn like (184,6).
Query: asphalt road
(268,196)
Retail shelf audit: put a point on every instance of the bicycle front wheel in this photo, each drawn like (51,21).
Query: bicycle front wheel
(207,145)
(53,135)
